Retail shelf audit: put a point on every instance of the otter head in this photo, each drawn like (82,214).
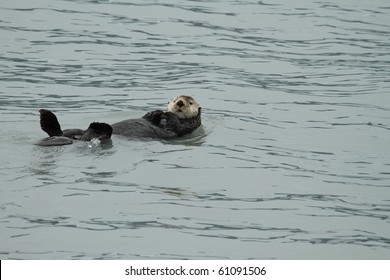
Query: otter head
(185,107)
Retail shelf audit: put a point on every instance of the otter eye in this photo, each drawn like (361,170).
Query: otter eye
(190,103)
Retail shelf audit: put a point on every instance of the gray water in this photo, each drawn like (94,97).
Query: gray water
(292,160)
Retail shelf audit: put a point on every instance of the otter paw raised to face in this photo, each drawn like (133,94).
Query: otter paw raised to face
(185,107)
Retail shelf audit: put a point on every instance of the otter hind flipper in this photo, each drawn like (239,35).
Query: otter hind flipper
(49,123)
(97,130)
(101,130)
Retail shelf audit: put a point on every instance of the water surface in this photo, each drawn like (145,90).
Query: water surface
(292,160)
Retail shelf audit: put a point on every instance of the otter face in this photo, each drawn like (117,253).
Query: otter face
(185,107)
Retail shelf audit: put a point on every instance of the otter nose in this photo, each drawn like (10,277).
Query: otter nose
(180,103)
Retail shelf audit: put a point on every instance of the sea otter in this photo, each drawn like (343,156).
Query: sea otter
(182,117)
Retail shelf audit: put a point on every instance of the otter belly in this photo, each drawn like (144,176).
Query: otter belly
(141,128)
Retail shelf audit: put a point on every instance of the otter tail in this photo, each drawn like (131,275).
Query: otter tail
(49,123)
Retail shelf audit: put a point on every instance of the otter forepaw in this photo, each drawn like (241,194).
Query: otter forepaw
(154,116)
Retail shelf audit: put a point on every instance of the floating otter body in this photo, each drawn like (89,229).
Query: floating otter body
(181,118)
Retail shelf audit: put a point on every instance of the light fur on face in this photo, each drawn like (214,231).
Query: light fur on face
(185,107)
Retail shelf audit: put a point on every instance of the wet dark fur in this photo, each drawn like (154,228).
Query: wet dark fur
(155,124)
